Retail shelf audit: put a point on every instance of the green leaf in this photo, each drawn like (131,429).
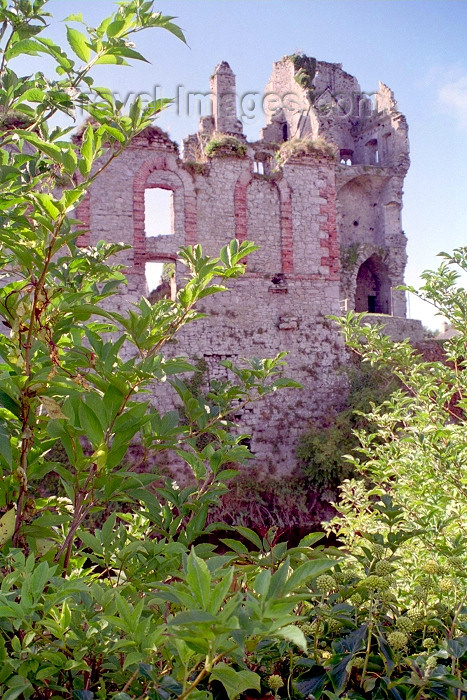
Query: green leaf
(307,571)
(235,682)
(76,17)
(89,695)
(25,46)
(235,545)
(33,95)
(79,44)
(192,617)
(199,579)
(278,580)
(127,52)
(262,582)
(115,133)
(108,59)
(7,526)
(115,27)
(48,205)
(91,424)
(197,464)
(39,578)
(5,445)
(313,682)
(293,634)
(311,539)
(250,535)
(87,150)
(17,685)
(50,149)
(220,591)
(456,647)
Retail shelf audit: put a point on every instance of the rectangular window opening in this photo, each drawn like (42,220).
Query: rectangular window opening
(161,280)
(158,212)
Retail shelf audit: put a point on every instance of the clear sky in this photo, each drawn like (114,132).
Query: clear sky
(417,47)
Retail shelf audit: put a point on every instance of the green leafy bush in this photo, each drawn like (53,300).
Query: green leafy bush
(416,448)
(322,451)
(370,633)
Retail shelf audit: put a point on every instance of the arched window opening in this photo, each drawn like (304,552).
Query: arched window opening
(373,292)
(285,132)
(158,212)
(161,280)
(258,167)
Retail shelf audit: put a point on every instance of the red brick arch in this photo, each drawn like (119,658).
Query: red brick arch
(285,202)
(156,172)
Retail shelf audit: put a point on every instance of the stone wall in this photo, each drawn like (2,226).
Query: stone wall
(328,231)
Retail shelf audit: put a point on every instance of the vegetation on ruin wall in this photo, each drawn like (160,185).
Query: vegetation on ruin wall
(142,606)
(300,147)
(305,71)
(225,145)
(322,449)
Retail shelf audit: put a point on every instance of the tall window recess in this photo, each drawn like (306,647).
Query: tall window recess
(158,212)
(372,152)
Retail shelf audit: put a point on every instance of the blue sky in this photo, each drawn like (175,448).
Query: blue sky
(416,47)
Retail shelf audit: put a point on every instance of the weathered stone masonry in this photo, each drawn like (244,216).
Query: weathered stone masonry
(329,231)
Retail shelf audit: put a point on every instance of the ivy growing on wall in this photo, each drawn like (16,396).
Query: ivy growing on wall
(305,71)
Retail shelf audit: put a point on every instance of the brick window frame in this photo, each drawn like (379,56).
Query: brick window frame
(156,172)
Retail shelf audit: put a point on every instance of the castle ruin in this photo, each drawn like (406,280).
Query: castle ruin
(320,192)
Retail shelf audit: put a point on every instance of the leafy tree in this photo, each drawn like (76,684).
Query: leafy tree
(137,606)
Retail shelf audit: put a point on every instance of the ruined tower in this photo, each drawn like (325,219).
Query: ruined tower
(224,98)
(321,194)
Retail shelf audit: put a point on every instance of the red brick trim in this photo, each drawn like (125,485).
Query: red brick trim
(191,217)
(285,198)
(240,206)
(299,277)
(139,182)
(330,243)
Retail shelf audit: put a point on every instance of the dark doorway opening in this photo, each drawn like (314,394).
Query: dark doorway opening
(373,292)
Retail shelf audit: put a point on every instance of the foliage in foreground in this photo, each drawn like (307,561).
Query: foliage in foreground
(142,606)
(392,619)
